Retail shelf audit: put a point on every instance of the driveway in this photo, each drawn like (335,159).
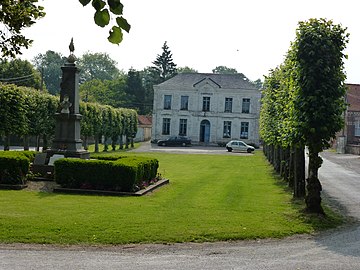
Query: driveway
(337,249)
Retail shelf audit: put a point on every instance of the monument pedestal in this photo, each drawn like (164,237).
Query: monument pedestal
(67,142)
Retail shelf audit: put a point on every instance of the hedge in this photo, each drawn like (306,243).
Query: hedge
(14,167)
(122,174)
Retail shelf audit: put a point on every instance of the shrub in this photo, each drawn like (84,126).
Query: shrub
(121,174)
(13,167)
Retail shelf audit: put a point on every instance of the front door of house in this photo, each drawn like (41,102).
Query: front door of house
(205,131)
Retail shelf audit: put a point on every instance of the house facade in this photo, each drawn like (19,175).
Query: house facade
(351,132)
(143,128)
(207,108)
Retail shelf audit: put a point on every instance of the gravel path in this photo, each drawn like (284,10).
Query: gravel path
(337,249)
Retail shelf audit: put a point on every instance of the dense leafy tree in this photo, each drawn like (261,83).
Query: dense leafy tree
(319,51)
(224,70)
(12,112)
(149,79)
(19,72)
(186,69)
(97,66)
(49,64)
(119,97)
(164,67)
(16,15)
(135,89)
(95,91)
(258,83)
(106,92)
(303,100)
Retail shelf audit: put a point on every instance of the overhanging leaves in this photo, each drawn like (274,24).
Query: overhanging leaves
(102,18)
(116,7)
(122,23)
(84,2)
(115,35)
(98,4)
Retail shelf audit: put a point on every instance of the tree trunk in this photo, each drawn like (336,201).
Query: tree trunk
(121,142)
(127,142)
(7,142)
(292,167)
(37,143)
(113,143)
(85,144)
(299,172)
(277,160)
(313,197)
(45,143)
(132,142)
(96,143)
(106,147)
(285,163)
(26,143)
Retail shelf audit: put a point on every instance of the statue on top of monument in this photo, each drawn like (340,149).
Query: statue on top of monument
(71,59)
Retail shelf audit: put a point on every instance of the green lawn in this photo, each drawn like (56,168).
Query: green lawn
(209,198)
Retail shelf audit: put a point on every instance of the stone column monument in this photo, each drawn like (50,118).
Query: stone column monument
(67,140)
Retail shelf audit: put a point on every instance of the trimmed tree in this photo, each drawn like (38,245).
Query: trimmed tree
(319,91)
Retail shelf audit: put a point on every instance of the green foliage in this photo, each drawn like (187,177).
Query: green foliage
(15,16)
(119,173)
(319,48)
(303,99)
(186,69)
(224,70)
(164,67)
(49,64)
(26,111)
(13,167)
(12,110)
(97,66)
(201,204)
(103,15)
(135,90)
(19,72)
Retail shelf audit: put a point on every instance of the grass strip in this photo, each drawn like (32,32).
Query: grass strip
(209,198)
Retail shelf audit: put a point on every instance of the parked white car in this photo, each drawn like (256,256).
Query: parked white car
(235,145)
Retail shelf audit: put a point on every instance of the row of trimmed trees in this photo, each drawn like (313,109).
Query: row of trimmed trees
(28,112)
(302,105)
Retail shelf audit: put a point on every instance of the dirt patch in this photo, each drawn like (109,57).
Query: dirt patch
(44,186)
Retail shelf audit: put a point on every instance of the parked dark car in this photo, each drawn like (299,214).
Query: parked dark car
(175,141)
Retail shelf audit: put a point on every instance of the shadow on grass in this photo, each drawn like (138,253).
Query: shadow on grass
(334,215)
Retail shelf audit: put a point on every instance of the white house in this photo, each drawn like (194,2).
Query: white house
(207,108)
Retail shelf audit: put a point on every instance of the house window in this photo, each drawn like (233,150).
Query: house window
(184,103)
(183,127)
(227,129)
(357,128)
(166,126)
(206,104)
(228,104)
(246,105)
(167,102)
(244,130)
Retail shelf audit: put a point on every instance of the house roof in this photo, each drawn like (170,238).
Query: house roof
(353,97)
(145,120)
(228,81)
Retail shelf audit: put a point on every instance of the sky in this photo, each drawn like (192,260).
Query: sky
(251,36)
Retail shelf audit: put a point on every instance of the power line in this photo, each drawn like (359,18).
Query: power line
(17,78)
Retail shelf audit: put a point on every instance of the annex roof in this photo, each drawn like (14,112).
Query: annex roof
(145,120)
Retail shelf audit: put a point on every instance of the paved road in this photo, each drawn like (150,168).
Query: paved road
(339,249)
